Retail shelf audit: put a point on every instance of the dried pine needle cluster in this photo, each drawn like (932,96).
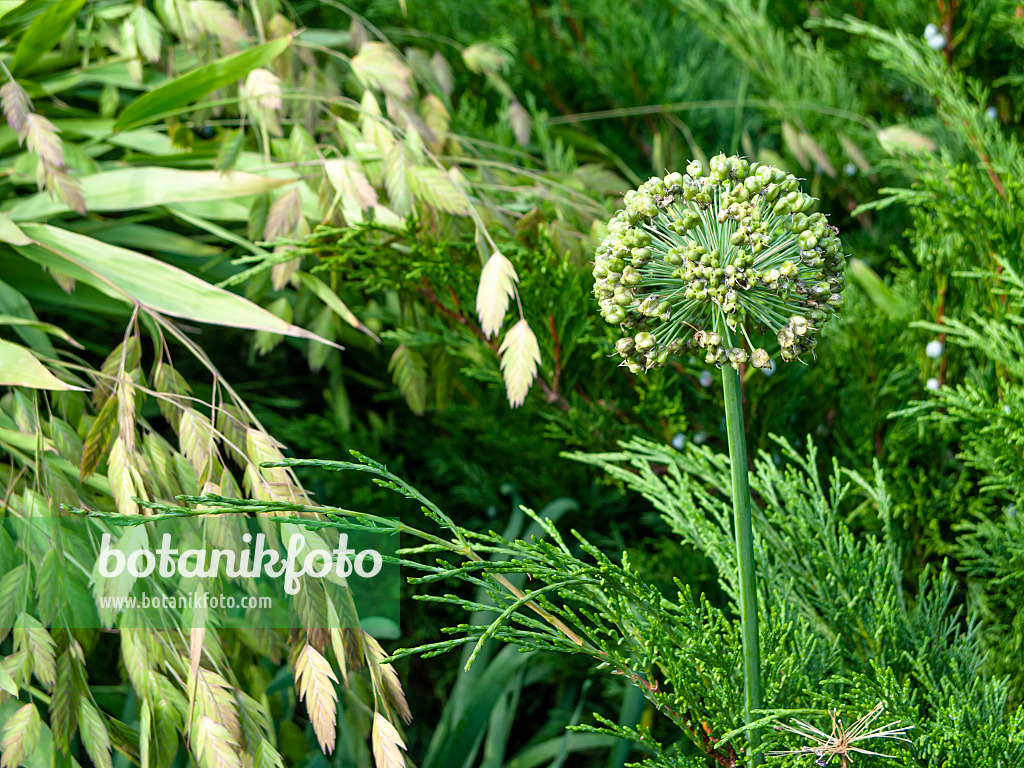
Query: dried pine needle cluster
(695,257)
(841,740)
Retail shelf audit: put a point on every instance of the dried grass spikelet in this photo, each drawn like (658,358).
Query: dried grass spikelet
(315,681)
(41,138)
(261,98)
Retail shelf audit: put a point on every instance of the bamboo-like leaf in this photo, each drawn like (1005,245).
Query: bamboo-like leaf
(44,33)
(409,371)
(185,90)
(497,286)
(387,744)
(378,66)
(150,282)
(438,190)
(877,291)
(94,732)
(332,300)
(314,680)
(20,368)
(520,357)
(127,189)
(19,737)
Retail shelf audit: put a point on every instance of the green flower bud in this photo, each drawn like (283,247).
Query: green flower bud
(615,315)
(644,341)
(720,167)
(695,169)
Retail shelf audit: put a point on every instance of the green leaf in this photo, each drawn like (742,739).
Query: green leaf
(10,233)
(38,324)
(189,88)
(409,371)
(19,14)
(149,238)
(149,282)
(20,368)
(44,33)
(331,299)
(877,291)
(125,189)
(13,303)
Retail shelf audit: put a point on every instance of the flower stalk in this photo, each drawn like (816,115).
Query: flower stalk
(744,554)
(722,262)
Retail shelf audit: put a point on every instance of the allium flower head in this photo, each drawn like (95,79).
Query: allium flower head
(695,259)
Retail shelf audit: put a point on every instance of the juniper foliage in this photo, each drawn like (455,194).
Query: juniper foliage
(841,629)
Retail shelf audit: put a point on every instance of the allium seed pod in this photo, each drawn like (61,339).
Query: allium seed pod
(733,251)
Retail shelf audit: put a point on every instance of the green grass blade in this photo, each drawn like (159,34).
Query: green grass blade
(187,89)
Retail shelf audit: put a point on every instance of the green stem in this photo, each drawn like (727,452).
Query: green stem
(744,548)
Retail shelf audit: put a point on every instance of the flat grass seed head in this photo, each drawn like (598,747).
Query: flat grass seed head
(735,248)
